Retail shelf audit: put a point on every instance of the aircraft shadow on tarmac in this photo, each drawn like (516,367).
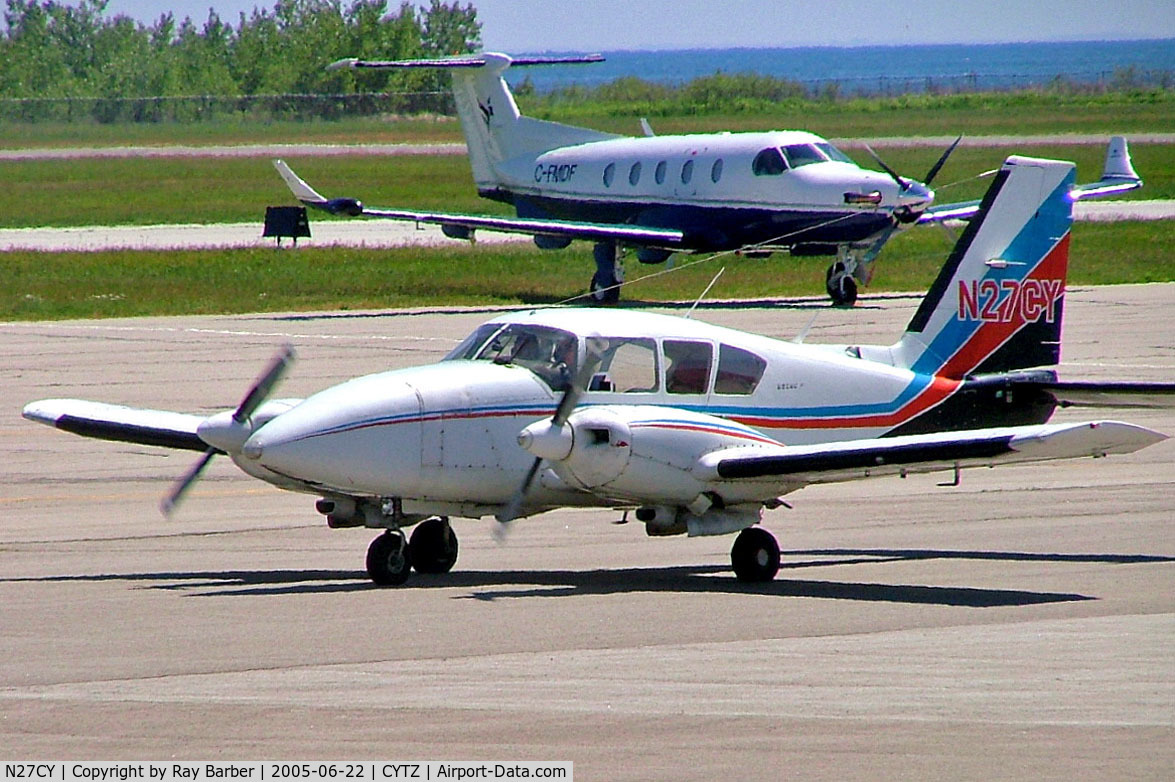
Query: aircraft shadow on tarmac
(497,585)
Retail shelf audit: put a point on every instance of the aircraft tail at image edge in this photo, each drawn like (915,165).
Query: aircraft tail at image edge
(997,303)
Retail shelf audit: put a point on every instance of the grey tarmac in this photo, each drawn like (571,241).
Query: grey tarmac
(1020,625)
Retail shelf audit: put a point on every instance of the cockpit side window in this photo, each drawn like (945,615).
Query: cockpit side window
(769,162)
(687,366)
(628,366)
(739,371)
(802,154)
(551,354)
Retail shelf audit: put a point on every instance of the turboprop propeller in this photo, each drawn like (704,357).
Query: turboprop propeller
(551,439)
(227,432)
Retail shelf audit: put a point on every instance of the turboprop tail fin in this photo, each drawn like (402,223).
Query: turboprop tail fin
(495,131)
(996,305)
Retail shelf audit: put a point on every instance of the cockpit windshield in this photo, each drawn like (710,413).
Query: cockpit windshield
(834,154)
(549,353)
(802,154)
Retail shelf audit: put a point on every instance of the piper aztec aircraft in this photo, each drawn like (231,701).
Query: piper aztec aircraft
(693,427)
(750,192)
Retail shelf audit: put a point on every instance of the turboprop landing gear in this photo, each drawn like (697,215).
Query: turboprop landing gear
(433,546)
(841,285)
(389,559)
(755,555)
(605,284)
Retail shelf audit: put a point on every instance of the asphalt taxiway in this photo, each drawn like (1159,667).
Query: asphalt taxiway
(1020,625)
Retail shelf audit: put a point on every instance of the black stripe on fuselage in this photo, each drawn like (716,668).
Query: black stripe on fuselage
(129,433)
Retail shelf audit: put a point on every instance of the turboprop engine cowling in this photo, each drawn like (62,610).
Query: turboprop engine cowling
(636,453)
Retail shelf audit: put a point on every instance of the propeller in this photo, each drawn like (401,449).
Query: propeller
(571,396)
(903,183)
(236,432)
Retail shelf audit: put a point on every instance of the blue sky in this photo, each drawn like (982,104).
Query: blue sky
(609,25)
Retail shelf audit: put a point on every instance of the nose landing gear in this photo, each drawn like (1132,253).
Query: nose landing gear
(391,557)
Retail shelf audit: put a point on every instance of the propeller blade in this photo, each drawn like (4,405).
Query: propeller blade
(265,383)
(903,184)
(513,508)
(933,172)
(180,487)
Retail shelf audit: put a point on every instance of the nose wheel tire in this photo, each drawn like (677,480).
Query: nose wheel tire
(389,559)
(434,546)
(755,555)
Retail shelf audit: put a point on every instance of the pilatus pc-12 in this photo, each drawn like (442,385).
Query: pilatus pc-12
(696,429)
(751,192)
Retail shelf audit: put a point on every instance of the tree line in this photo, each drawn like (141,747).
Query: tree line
(54,50)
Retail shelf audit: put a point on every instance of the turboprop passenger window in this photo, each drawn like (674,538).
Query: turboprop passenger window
(609,174)
(687,366)
(802,154)
(629,366)
(769,162)
(659,174)
(634,174)
(716,171)
(687,172)
(739,371)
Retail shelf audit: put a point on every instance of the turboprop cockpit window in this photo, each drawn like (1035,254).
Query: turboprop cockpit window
(549,353)
(470,346)
(834,154)
(802,154)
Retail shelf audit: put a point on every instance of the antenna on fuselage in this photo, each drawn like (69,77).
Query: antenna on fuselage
(698,301)
(803,335)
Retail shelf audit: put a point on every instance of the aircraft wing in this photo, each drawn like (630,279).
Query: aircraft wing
(1118,176)
(462,226)
(115,422)
(789,467)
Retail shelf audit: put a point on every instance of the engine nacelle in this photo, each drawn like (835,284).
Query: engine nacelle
(644,454)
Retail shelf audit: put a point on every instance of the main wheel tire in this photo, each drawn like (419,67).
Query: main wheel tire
(434,546)
(604,293)
(755,555)
(841,286)
(389,559)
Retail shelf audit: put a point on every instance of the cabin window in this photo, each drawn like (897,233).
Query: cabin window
(739,371)
(769,162)
(802,154)
(609,174)
(628,366)
(687,172)
(659,174)
(687,366)
(634,174)
(716,171)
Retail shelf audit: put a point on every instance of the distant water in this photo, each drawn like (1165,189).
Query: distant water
(883,69)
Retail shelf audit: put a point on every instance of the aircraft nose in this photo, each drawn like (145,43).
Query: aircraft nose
(915,194)
(362,436)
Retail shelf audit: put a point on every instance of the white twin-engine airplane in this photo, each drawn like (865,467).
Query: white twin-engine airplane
(750,192)
(693,427)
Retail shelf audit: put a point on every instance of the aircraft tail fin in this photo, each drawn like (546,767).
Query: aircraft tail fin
(996,306)
(495,131)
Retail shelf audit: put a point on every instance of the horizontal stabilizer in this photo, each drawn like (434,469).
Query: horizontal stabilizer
(123,424)
(1110,394)
(794,466)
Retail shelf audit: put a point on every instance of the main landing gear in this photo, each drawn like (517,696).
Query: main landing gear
(606,282)
(432,549)
(755,555)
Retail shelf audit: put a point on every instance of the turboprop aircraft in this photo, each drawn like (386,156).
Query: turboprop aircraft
(695,428)
(748,192)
